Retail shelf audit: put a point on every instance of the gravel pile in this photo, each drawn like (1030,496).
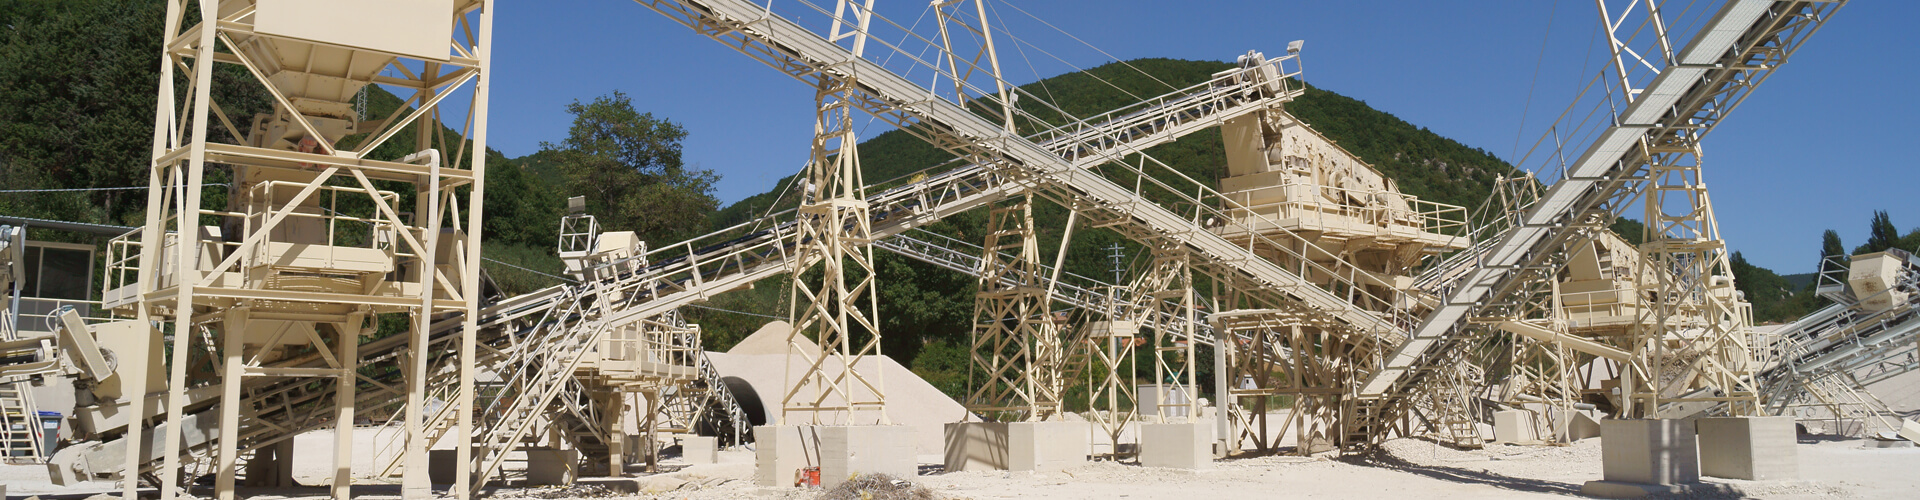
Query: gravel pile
(878,487)
(557,492)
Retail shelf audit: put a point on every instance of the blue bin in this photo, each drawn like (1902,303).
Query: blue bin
(50,429)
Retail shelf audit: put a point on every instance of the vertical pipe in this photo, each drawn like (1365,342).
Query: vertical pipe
(232,331)
(470,268)
(415,483)
(1222,394)
(347,334)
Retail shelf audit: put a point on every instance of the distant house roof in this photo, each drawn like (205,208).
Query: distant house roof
(82,227)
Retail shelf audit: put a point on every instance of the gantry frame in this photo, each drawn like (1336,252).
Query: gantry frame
(835,231)
(1017,353)
(220,289)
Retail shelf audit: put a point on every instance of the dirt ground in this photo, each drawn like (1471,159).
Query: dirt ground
(1407,469)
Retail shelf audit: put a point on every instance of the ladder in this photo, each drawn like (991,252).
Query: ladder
(20,433)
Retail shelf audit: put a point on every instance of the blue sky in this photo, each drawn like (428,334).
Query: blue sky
(1820,145)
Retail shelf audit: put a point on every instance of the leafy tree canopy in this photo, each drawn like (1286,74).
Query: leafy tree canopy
(1881,235)
(628,166)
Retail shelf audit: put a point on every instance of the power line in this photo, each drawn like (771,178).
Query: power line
(75,190)
(1542,59)
(496,261)
(737,312)
(1089,45)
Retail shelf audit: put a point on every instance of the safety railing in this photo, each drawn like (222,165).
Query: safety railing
(1090,135)
(649,346)
(42,315)
(1831,281)
(1337,206)
(316,226)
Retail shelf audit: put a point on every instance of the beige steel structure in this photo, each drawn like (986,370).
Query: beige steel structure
(1313,255)
(835,232)
(314,241)
(1301,201)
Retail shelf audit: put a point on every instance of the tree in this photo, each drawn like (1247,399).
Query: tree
(77,84)
(1770,295)
(628,166)
(1881,235)
(1631,230)
(78,81)
(520,207)
(1832,249)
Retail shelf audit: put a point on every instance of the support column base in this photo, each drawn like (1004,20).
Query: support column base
(1177,446)
(1514,427)
(551,467)
(779,452)
(1750,448)
(847,450)
(700,449)
(1018,446)
(840,451)
(1651,451)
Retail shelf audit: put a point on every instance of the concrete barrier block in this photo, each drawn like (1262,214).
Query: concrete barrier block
(1652,451)
(1177,446)
(1048,445)
(1751,448)
(1514,427)
(551,467)
(700,449)
(779,452)
(977,446)
(847,450)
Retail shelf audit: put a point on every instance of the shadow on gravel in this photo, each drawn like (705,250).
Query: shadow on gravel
(1462,475)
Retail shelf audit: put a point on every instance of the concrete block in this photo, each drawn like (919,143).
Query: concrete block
(1177,446)
(1514,427)
(1047,446)
(700,449)
(443,466)
(1149,397)
(551,467)
(1910,430)
(1652,451)
(1582,426)
(1751,448)
(1021,446)
(779,452)
(977,446)
(847,450)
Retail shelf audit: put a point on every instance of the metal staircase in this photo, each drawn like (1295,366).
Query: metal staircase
(20,439)
(538,382)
